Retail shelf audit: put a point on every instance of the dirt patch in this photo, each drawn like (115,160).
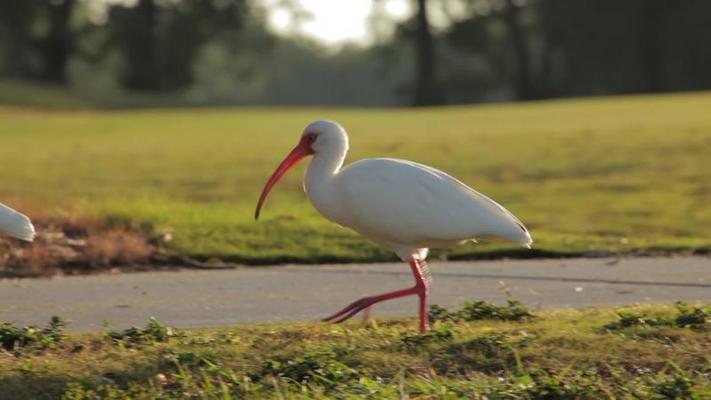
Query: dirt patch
(76,245)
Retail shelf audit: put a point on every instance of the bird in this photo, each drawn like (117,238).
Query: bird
(402,205)
(15,224)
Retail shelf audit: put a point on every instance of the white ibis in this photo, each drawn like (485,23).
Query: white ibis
(14,224)
(405,206)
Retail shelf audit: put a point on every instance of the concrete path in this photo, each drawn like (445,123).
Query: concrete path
(195,298)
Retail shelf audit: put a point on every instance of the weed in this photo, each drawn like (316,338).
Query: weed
(565,385)
(628,319)
(482,310)
(187,358)
(687,316)
(675,386)
(442,333)
(478,310)
(321,368)
(691,315)
(493,352)
(153,332)
(77,391)
(13,338)
(439,313)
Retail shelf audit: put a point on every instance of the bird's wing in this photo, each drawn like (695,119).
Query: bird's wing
(15,224)
(398,201)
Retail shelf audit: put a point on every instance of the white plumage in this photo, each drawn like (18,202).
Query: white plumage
(409,206)
(15,224)
(403,205)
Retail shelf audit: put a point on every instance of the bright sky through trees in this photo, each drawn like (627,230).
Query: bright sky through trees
(332,22)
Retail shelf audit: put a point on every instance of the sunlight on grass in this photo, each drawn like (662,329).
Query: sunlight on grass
(486,352)
(609,174)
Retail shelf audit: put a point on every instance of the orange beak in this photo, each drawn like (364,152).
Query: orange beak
(301,150)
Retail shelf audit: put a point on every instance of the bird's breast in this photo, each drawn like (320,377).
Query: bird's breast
(325,199)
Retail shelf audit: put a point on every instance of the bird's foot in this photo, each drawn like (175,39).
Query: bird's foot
(364,303)
(423,280)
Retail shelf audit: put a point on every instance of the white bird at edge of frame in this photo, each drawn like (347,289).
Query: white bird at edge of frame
(15,224)
(402,205)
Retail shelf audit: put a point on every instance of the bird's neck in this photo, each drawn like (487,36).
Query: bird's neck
(323,167)
(319,183)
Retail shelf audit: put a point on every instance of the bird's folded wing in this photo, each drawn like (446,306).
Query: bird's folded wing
(403,201)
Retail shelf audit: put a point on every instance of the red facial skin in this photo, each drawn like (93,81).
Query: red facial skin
(301,150)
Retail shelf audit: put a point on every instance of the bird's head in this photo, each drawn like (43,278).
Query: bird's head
(325,135)
(318,137)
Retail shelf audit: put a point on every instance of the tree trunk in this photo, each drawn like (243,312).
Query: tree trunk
(651,41)
(140,53)
(58,45)
(426,90)
(523,81)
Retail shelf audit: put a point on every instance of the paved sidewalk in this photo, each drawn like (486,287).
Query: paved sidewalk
(195,298)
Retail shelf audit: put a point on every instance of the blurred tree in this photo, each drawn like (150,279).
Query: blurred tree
(16,39)
(159,41)
(59,42)
(687,46)
(39,38)
(638,51)
(523,79)
(134,31)
(494,31)
(652,47)
(427,92)
(480,63)
(482,50)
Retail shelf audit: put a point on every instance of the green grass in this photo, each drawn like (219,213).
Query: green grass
(607,174)
(593,353)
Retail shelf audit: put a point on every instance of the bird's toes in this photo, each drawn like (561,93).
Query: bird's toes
(344,310)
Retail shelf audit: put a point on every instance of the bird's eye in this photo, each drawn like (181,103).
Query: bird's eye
(311,137)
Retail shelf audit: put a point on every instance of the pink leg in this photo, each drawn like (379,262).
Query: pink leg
(426,278)
(422,286)
(366,313)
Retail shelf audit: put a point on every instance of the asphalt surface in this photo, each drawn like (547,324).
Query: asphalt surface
(198,298)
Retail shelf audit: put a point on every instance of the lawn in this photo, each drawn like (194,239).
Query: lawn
(482,352)
(607,174)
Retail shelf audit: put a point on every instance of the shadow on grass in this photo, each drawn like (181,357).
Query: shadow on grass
(31,386)
(37,383)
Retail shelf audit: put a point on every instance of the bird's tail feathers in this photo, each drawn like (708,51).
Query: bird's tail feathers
(15,224)
(520,235)
(526,241)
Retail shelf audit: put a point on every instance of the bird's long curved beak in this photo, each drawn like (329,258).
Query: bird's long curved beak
(301,150)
